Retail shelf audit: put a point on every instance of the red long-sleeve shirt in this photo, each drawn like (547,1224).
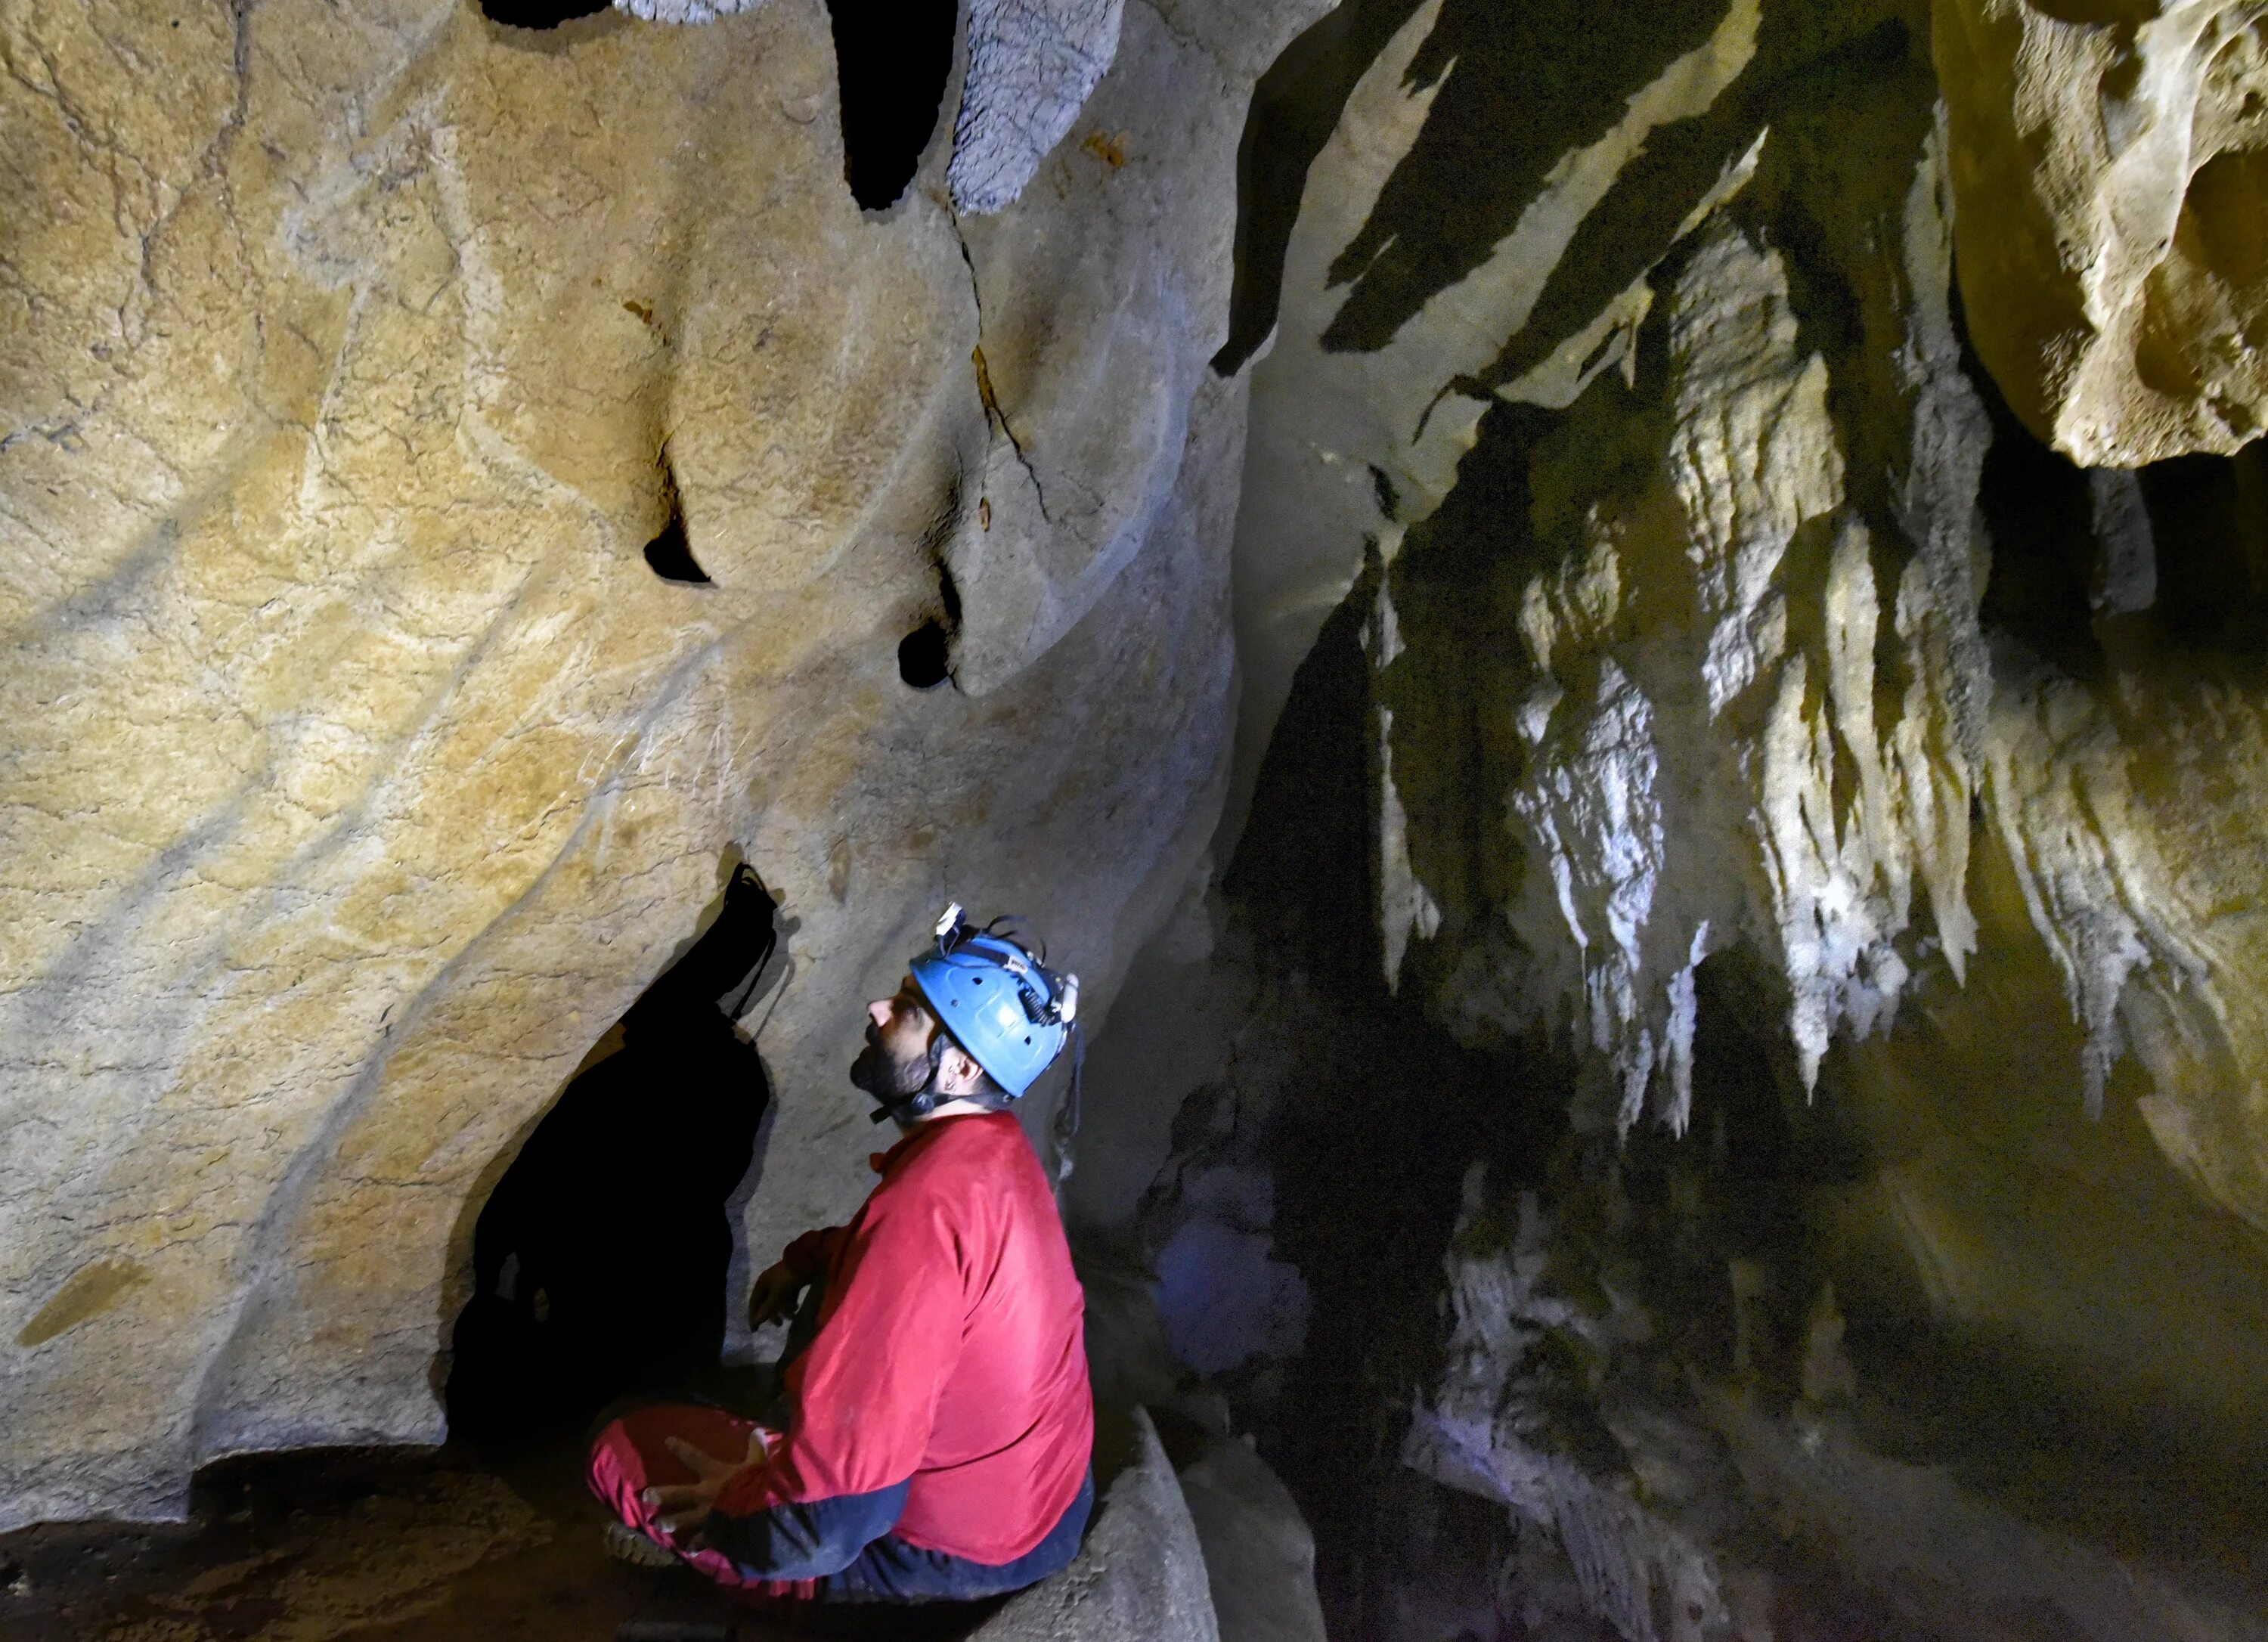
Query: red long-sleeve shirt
(951,1351)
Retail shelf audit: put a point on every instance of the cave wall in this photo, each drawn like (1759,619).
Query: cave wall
(1677,491)
(1813,779)
(1678,473)
(2108,161)
(360,768)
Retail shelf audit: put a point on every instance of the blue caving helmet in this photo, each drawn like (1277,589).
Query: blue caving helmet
(1002,1005)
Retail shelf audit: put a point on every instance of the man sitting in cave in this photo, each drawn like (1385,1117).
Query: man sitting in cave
(933,1437)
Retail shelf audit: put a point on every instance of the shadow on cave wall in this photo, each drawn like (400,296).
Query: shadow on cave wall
(1362,1116)
(600,1260)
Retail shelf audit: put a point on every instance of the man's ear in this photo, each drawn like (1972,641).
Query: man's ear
(959,1073)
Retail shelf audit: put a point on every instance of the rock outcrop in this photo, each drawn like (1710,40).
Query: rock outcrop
(361,766)
(2108,160)
(1139,1578)
(1769,741)
(1675,498)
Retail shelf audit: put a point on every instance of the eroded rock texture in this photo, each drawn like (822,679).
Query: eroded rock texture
(1673,497)
(2108,161)
(1781,760)
(360,769)
(1700,626)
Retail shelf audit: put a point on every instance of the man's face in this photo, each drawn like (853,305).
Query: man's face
(895,1062)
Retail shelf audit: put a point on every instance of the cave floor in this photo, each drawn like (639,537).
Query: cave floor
(418,1546)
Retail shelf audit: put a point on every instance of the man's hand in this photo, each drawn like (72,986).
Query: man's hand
(686,1506)
(774,1295)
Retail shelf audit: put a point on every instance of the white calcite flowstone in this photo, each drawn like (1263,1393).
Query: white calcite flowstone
(1671,515)
(358,770)
(1680,753)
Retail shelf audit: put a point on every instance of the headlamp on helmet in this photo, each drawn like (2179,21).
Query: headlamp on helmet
(997,998)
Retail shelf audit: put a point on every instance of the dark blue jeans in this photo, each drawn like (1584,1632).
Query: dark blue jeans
(891,1570)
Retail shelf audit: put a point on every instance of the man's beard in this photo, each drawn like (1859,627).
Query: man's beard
(889,1080)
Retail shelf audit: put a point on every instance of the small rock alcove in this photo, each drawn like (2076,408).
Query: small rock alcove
(600,1259)
(670,555)
(925,655)
(893,59)
(539,13)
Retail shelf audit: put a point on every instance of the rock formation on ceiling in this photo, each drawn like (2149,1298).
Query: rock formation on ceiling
(1713,653)
(360,768)
(1031,66)
(2108,164)
(1743,670)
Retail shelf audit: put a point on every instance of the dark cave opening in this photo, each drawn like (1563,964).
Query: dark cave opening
(600,1259)
(925,656)
(2052,525)
(539,13)
(670,555)
(893,58)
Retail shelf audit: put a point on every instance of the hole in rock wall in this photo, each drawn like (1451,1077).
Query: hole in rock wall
(539,13)
(669,555)
(600,1260)
(2092,569)
(925,656)
(892,58)
(2209,536)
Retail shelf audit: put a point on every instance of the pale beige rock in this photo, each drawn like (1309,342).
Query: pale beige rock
(1259,1552)
(2109,162)
(1140,1577)
(359,772)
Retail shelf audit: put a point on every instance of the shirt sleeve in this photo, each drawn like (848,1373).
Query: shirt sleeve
(865,1395)
(809,1255)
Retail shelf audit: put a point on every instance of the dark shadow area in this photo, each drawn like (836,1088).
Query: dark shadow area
(2209,522)
(2039,520)
(669,555)
(1518,87)
(539,13)
(925,656)
(600,1259)
(1382,1113)
(2208,528)
(893,58)
(1810,67)
(1456,687)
